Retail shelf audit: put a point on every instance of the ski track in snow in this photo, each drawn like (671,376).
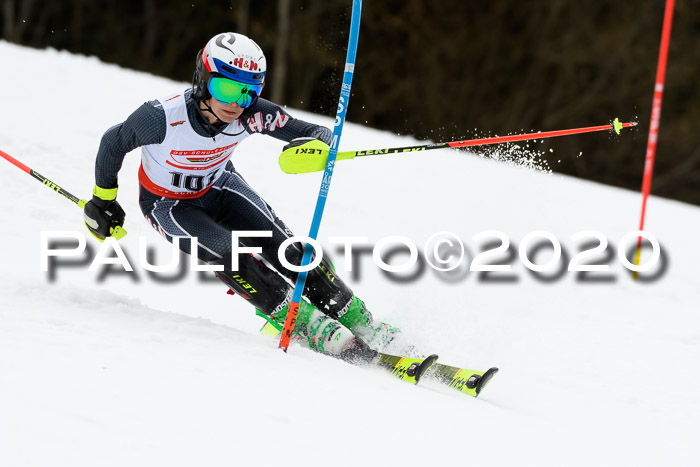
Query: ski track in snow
(130,371)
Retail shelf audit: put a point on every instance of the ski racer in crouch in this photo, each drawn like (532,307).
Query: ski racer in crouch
(189,188)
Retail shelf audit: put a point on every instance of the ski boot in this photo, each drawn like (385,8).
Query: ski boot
(318,332)
(377,334)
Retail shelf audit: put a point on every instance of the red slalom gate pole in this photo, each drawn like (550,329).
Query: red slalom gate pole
(655,121)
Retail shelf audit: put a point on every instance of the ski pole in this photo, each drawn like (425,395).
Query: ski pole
(118,232)
(302,159)
(655,122)
(328,163)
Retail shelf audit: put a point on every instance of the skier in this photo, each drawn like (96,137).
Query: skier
(189,188)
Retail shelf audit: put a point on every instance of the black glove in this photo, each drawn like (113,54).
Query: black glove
(103,216)
(297,142)
(323,134)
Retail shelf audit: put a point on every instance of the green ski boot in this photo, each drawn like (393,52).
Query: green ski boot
(377,334)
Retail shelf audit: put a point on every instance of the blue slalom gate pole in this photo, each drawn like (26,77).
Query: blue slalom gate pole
(291,320)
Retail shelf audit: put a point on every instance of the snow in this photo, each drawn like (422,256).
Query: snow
(126,370)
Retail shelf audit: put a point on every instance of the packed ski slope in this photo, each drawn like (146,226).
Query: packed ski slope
(126,370)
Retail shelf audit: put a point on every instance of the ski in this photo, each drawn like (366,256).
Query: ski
(405,368)
(467,381)
(409,369)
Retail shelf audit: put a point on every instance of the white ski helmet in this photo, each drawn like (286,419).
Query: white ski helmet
(233,56)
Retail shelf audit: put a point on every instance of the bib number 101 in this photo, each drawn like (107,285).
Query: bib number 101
(192,182)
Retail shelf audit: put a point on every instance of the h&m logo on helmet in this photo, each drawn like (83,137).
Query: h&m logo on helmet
(245,64)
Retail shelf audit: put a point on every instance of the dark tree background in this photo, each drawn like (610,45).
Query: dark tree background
(435,70)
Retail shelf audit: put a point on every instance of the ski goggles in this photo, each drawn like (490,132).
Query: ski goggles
(228,91)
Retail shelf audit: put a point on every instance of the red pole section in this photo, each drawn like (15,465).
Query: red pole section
(16,162)
(530,136)
(655,117)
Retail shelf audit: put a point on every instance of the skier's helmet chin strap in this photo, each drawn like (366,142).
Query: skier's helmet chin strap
(216,130)
(210,110)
